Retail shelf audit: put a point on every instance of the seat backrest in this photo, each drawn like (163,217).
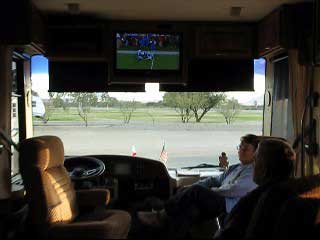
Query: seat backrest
(50,193)
(298,219)
(287,210)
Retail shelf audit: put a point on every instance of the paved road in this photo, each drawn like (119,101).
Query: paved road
(186,144)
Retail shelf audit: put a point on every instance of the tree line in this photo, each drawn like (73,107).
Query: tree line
(188,105)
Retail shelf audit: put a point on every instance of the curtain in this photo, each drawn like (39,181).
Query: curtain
(299,85)
(281,113)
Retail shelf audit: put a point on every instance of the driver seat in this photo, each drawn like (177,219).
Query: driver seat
(54,205)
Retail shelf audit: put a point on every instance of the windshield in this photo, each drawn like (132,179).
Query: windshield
(172,127)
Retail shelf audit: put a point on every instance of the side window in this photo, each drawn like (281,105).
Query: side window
(14,120)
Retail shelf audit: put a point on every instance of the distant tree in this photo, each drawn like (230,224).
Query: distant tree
(203,102)
(126,109)
(181,102)
(113,102)
(106,100)
(151,115)
(154,104)
(48,104)
(84,101)
(58,101)
(229,109)
(196,104)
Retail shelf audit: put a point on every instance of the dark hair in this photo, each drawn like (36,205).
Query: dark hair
(274,161)
(251,139)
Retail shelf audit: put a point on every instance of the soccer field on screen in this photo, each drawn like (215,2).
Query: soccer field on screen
(160,62)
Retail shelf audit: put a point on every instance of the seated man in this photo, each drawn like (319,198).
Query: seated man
(273,164)
(209,198)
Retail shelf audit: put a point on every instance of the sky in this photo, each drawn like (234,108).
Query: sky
(40,84)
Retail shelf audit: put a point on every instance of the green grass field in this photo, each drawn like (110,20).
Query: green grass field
(152,114)
(134,48)
(164,62)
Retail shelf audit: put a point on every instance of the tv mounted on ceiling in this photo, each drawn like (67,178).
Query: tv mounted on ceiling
(147,51)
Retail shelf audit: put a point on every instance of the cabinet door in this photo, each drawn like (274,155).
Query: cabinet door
(269,33)
(23,26)
(231,41)
(76,42)
(279,29)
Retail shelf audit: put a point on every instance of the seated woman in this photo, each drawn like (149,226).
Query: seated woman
(273,165)
(209,198)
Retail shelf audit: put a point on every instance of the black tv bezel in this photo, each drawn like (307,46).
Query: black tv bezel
(147,72)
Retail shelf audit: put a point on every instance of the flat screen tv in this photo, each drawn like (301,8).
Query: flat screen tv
(147,51)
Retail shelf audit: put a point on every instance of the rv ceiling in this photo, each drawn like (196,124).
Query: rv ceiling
(177,10)
(201,41)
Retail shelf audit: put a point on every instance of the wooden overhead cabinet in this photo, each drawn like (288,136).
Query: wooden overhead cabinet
(76,42)
(22,27)
(273,32)
(224,41)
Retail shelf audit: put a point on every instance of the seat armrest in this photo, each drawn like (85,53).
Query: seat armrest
(93,197)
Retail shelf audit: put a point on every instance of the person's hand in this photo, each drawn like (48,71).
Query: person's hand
(223,160)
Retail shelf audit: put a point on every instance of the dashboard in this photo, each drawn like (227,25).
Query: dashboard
(130,179)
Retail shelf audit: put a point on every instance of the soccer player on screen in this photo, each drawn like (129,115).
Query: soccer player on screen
(153,45)
(140,55)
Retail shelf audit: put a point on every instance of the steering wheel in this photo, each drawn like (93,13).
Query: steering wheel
(82,168)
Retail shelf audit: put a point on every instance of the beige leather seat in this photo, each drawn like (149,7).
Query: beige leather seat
(55,207)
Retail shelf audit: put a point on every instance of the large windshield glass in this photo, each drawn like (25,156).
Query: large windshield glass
(190,128)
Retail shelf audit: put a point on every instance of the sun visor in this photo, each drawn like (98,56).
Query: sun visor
(78,76)
(216,75)
(85,76)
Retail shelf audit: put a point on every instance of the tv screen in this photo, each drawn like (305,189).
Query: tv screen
(147,51)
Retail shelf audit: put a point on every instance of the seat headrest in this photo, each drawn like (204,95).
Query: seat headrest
(305,187)
(44,152)
(261,138)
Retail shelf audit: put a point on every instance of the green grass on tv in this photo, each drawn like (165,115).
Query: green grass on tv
(160,62)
